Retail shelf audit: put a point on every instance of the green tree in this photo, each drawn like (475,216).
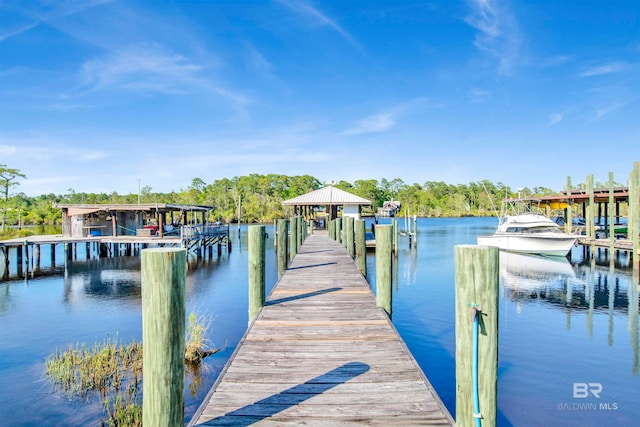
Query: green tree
(7,177)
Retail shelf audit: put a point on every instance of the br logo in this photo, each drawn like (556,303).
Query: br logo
(583,390)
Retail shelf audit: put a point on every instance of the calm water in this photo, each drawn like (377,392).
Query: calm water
(560,323)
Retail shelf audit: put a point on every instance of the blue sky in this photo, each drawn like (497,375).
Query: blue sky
(95,95)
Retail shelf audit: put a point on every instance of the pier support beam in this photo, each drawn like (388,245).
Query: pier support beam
(281,246)
(349,240)
(256,270)
(384,259)
(163,273)
(361,246)
(477,289)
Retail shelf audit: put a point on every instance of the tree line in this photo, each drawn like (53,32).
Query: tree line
(260,197)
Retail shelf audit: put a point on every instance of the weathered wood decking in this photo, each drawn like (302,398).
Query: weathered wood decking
(321,353)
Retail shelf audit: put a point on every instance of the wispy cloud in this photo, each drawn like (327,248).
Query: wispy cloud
(307,10)
(372,124)
(60,9)
(479,95)
(602,69)
(150,68)
(498,34)
(603,111)
(555,119)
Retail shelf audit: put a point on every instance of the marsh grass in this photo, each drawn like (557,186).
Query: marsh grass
(112,371)
(197,346)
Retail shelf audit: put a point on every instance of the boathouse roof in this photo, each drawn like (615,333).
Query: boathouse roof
(327,196)
(87,208)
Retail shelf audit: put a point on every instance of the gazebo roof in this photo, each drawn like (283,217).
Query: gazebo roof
(327,196)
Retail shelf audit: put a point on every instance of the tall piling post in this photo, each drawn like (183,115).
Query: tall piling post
(339,230)
(611,208)
(590,216)
(477,289)
(301,224)
(293,237)
(282,246)
(163,273)
(568,224)
(394,222)
(384,261)
(349,236)
(361,246)
(256,270)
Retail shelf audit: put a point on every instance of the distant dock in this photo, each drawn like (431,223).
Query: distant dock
(25,252)
(320,352)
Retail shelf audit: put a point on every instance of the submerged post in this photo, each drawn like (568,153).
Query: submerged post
(256,270)
(163,274)
(282,246)
(383,267)
(477,285)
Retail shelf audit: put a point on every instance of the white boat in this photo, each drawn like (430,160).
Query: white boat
(528,232)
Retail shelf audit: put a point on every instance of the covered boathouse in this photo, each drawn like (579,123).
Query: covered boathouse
(323,205)
(146,219)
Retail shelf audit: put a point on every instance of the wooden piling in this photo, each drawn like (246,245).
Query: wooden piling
(256,270)
(611,209)
(300,225)
(394,222)
(163,273)
(293,237)
(349,236)
(383,267)
(568,224)
(27,258)
(339,230)
(477,286)
(589,215)
(634,213)
(361,246)
(282,246)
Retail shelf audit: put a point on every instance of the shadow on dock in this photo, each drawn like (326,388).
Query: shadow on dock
(290,397)
(301,296)
(312,265)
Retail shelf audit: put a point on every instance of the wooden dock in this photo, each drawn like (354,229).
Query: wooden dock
(322,353)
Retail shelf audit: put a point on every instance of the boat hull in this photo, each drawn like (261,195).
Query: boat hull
(542,244)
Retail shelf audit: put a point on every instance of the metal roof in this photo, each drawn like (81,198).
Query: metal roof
(119,207)
(327,196)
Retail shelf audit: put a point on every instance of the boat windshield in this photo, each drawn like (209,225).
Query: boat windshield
(543,229)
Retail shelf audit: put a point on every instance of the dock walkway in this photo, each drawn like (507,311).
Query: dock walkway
(322,353)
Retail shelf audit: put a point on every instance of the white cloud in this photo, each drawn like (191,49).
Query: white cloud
(498,34)
(602,69)
(58,10)
(305,9)
(479,95)
(555,119)
(372,124)
(601,112)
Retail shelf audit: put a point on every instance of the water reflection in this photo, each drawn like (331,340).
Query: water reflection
(584,287)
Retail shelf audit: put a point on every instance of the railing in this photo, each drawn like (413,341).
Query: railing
(202,231)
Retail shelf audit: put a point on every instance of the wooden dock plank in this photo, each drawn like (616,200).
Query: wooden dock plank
(321,353)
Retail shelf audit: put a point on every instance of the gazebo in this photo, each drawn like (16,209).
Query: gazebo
(329,198)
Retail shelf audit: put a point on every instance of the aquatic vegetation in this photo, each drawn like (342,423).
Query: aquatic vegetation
(197,346)
(113,371)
